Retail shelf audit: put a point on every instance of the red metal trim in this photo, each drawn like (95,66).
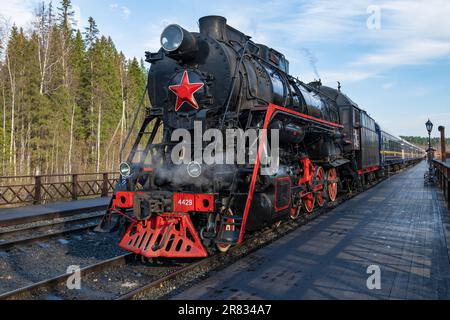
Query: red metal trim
(368,170)
(276,192)
(114,210)
(204,203)
(166,236)
(308,172)
(269,114)
(124,200)
(305,116)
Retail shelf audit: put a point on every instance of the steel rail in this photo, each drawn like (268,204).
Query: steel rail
(46,236)
(27,291)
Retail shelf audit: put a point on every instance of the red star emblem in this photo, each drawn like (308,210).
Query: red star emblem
(185,92)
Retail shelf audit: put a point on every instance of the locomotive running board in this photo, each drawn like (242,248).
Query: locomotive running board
(166,235)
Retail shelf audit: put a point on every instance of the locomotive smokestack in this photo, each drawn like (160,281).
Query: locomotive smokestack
(214,27)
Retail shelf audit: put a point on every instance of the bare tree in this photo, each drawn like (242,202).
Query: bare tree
(99,134)
(43,24)
(6,27)
(72,120)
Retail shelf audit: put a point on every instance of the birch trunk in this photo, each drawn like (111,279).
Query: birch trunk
(4,130)
(99,133)
(13,102)
(71,138)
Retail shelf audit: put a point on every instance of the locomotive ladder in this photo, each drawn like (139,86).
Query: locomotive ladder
(107,224)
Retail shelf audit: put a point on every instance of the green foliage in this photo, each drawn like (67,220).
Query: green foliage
(63,96)
(423,141)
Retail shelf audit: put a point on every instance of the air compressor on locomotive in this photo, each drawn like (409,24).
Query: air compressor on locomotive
(221,79)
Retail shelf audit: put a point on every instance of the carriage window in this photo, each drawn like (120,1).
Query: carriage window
(356,118)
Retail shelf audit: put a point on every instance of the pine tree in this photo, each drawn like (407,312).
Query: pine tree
(91,32)
(66,16)
(66,97)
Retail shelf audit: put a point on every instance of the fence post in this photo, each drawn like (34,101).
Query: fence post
(74,187)
(443,144)
(448,193)
(37,190)
(105,185)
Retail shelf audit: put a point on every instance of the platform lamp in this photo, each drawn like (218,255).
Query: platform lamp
(429,126)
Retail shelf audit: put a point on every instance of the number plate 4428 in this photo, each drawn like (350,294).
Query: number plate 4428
(183,202)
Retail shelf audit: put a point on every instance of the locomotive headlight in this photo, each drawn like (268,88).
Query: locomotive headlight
(172,38)
(177,41)
(125,170)
(194,169)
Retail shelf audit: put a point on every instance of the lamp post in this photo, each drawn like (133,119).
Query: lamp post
(429,126)
(430,175)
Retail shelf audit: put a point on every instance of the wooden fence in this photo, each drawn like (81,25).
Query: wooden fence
(26,190)
(443,177)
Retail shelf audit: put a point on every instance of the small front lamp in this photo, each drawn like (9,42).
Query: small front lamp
(125,170)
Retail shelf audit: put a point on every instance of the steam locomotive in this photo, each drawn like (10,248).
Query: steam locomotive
(220,79)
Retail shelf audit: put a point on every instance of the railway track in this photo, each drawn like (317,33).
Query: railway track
(33,234)
(250,245)
(162,285)
(158,284)
(28,291)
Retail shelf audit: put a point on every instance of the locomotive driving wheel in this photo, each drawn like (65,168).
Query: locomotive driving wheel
(332,184)
(229,226)
(296,212)
(319,186)
(309,201)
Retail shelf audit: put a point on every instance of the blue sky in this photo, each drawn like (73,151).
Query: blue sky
(399,73)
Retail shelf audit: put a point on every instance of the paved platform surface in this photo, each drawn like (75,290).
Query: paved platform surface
(28,214)
(399,225)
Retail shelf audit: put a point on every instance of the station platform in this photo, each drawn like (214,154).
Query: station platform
(22,215)
(399,226)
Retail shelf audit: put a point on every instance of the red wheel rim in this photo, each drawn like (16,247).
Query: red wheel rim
(224,247)
(332,185)
(309,202)
(319,188)
(295,213)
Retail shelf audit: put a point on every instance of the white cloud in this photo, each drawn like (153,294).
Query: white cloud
(78,18)
(389,85)
(21,12)
(125,11)
(412,32)
(17,11)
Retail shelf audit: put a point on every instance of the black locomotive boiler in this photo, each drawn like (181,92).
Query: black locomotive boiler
(219,78)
